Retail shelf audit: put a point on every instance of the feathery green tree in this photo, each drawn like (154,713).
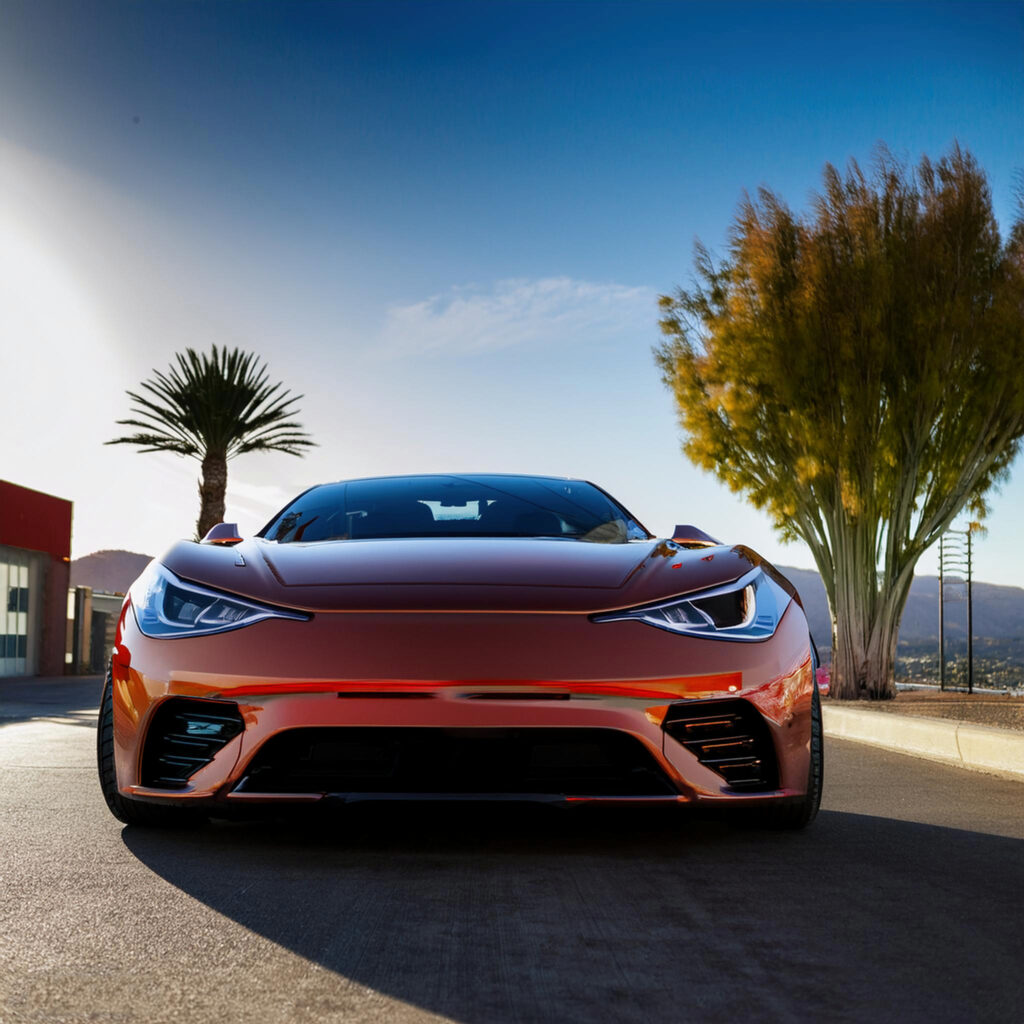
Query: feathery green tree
(211,408)
(858,373)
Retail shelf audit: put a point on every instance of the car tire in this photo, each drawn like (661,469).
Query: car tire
(131,812)
(799,812)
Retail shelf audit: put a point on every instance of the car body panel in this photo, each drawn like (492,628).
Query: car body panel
(452,574)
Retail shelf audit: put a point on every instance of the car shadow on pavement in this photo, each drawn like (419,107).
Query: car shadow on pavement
(498,914)
(67,700)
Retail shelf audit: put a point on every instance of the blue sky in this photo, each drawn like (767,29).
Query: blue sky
(445,224)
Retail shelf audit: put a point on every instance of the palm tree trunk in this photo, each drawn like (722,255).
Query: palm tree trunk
(212,487)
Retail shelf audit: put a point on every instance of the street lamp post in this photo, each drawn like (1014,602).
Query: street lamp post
(970,621)
(956,569)
(942,621)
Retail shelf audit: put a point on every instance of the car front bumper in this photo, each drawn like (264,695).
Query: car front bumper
(471,677)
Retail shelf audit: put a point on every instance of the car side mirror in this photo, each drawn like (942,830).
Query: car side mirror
(222,533)
(692,535)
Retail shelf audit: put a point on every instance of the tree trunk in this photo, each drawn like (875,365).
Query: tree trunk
(212,486)
(866,616)
(864,650)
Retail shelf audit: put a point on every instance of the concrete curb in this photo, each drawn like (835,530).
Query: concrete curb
(979,747)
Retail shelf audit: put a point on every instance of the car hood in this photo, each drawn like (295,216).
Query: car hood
(459,574)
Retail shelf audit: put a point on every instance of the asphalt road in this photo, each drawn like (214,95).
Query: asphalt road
(901,903)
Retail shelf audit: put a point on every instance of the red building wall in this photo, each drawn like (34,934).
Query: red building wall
(40,522)
(33,520)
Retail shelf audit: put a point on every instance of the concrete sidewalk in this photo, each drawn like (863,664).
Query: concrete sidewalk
(978,747)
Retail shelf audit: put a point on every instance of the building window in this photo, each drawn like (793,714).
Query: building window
(14,605)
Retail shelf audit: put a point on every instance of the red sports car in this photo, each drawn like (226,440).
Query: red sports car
(460,637)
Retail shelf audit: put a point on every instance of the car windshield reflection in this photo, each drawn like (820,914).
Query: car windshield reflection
(456,506)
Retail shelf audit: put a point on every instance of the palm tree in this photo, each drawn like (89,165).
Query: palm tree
(212,408)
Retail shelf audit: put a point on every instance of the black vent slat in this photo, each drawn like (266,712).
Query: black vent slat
(184,762)
(708,749)
(713,721)
(728,736)
(517,695)
(386,694)
(184,736)
(176,742)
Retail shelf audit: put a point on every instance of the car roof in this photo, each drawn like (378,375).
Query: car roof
(426,476)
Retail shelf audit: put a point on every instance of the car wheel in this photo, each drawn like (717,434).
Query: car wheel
(800,812)
(131,812)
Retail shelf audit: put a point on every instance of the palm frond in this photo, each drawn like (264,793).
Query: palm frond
(221,402)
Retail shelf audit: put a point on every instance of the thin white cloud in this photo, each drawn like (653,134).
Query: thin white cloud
(261,500)
(516,312)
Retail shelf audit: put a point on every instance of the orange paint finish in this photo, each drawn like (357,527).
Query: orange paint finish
(657,714)
(685,686)
(270,670)
(426,649)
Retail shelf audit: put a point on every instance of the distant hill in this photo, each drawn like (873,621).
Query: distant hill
(998,611)
(112,571)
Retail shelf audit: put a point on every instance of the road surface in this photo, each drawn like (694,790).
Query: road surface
(903,902)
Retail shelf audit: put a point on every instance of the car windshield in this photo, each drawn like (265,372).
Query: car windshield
(455,506)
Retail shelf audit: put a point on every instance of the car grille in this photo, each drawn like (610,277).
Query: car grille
(183,737)
(577,762)
(730,737)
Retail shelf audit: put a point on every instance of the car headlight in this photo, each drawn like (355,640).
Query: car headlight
(749,608)
(166,606)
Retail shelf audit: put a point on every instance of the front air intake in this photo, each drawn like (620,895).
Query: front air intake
(426,760)
(730,737)
(184,736)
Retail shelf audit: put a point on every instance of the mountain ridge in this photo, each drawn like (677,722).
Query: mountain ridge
(998,610)
(112,570)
